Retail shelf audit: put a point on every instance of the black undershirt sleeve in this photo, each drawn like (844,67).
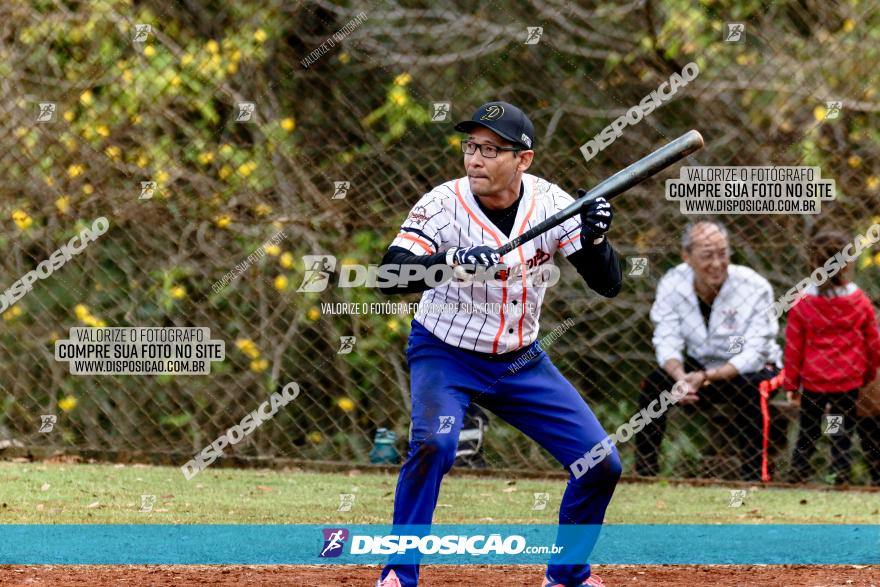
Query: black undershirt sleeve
(401,256)
(599,265)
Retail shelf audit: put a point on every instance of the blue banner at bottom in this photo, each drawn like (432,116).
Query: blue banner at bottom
(439,544)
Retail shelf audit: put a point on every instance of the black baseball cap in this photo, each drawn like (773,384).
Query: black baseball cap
(505,120)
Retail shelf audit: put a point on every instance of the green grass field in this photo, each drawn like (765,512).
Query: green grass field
(33,493)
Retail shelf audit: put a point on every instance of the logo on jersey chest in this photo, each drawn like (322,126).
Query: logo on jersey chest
(539,258)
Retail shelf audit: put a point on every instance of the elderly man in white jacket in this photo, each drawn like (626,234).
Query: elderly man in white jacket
(712,329)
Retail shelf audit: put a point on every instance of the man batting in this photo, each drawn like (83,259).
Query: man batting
(467,352)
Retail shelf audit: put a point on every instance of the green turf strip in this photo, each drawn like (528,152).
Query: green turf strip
(39,493)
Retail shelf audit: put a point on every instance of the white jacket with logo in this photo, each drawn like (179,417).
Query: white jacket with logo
(741,309)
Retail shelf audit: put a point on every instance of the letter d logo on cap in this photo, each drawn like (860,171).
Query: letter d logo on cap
(493,112)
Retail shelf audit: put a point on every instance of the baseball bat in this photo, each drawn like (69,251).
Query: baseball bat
(616,184)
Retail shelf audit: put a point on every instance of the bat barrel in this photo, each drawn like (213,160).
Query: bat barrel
(647,166)
(616,184)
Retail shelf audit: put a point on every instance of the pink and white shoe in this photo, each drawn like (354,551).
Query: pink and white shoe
(390,580)
(591,581)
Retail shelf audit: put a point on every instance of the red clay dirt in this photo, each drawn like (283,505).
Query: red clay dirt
(437,575)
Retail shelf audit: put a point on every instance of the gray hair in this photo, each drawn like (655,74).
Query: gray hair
(687,236)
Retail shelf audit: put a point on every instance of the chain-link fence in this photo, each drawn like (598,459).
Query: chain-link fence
(224,144)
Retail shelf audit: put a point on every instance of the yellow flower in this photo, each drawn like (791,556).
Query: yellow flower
(142,161)
(393,325)
(50,181)
(12,313)
(175,81)
(226,149)
(86,98)
(245,169)
(873,182)
(186,59)
(20,132)
(206,157)
(273,250)
(68,115)
(162,176)
(225,172)
(21,219)
(848,25)
(854,161)
(231,68)
(90,320)
(314,313)
(259,365)
(103,130)
(454,141)
(403,79)
(248,347)
(347,157)
(149,51)
(877,259)
(212,47)
(288,124)
(344,58)
(819,113)
(260,36)
(286,260)
(127,76)
(865,262)
(81,312)
(178,292)
(398,96)
(113,152)
(68,403)
(75,170)
(262,209)
(281,283)
(235,57)
(223,220)
(63,204)
(345,404)
(315,437)
(88,189)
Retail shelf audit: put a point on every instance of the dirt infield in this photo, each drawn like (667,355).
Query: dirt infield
(439,575)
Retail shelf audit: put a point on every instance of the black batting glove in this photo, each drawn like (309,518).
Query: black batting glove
(477,256)
(596,218)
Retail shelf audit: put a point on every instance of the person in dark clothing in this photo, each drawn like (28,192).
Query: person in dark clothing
(832,348)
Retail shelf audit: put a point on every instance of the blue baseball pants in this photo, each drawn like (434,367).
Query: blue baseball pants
(535,399)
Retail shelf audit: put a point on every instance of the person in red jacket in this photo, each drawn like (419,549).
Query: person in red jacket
(832,348)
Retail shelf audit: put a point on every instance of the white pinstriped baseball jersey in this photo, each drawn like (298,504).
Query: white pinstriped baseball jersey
(489,317)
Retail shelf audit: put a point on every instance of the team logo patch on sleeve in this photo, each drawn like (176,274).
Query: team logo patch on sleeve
(419,215)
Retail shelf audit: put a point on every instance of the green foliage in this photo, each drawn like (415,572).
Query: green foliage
(165,111)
